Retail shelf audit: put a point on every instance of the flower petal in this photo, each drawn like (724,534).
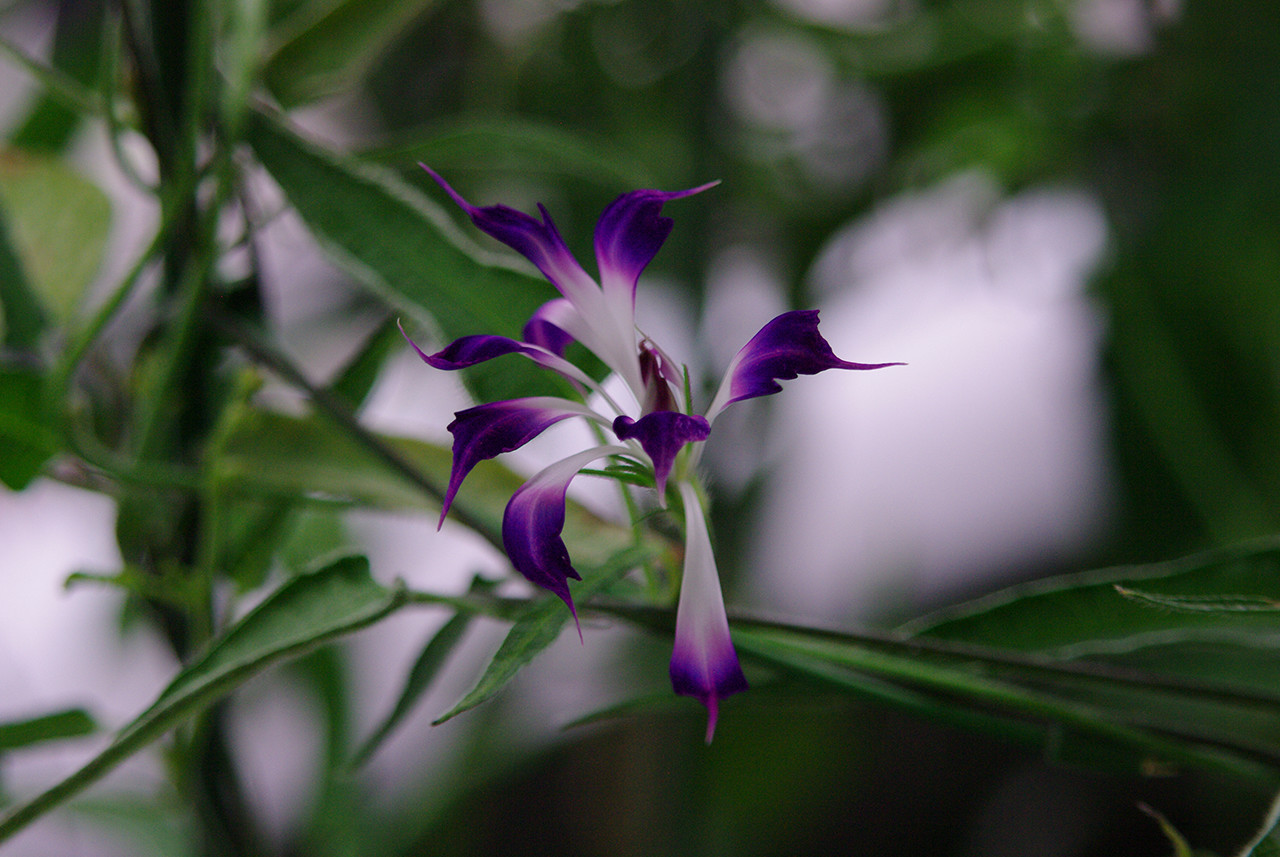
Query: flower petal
(608,331)
(534,519)
(470,350)
(549,326)
(487,431)
(628,236)
(786,347)
(704,664)
(662,434)
(538,241)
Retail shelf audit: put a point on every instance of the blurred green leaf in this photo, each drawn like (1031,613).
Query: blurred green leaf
(27,440)
(1083,614)
(306,612)
(402,246)
(1154,721)
(77,37)
(22,319)
(330,52)
(57,223)
(433,656)
(72,723)
(539,627)
(355,381)
(245,27)
(515,144)
(310,457)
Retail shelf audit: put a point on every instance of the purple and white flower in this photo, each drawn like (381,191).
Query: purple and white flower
(659,431)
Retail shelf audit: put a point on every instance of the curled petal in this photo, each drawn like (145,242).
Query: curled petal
(662,434)
(470,350)
(704,664)
(534,519)
(536,240)
(629,234)
(786,347)
(487,431)
(548,326)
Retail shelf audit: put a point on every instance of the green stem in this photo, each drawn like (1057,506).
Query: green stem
(337,409)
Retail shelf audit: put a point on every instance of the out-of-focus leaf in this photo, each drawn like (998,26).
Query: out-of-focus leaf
(518,145)
(241,50)
(57,224)
(72,723)
(26,440)
(355,381)
(329,53)
(1155,721)
(538,628)
(276,455)
(77,40)
(402,246)
(22,319)
(433,656)
(306,612)
(1084,614)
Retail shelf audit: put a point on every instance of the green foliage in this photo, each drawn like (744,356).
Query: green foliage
(57,225)
(304,613)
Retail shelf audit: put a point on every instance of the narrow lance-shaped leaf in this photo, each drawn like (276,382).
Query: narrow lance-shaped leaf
(433,656)
(538,628)
(399,244)
(332,52)
(307,611)
(518,145)
(1081,614)
(56,726)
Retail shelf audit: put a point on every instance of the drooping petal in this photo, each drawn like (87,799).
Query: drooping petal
(662,434)
(534,519)
(536,240)
(487,431)
(628,236)
(788,346)
(704,664)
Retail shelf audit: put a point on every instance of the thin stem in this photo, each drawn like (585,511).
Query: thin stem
(336,409)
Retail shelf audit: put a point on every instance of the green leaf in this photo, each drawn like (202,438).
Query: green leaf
(27,441)
(538,628)
(518,145)
(1138,717)
(77,46)
(433,656)
(355,381)
(57,223)
(329,53)
(22,319)
(72,723)
(245,24)
(1084,614)
(306,612)
(398,243)
(270,454)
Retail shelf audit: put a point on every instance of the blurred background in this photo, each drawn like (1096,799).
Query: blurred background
(1064,215)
